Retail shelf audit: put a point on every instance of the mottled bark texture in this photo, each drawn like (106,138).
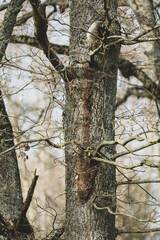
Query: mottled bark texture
(10,193)
(8,24)
(10,188)
(88,120)
(11,200)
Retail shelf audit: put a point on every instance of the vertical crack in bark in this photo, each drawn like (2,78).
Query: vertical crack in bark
(85,169)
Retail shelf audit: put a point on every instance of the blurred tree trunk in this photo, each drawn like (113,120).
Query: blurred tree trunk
(10,187)
(89,119)
(146,17)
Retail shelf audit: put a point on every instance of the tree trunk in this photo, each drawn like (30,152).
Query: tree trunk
(88,120)
(10,194)
(11,200)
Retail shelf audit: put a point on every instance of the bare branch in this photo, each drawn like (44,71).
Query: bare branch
(130,216)
(134,40)
(41,25)
(140,231)
(132,151)
(27,202)
(12,227)
(137,137)
(24,18)
(129,69)
(32,41)
(4,6)
(125,215)
(146,32)
(36,140)
(135,91)
(143,162)
(138,182)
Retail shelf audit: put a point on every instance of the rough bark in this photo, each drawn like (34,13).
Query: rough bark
(8,24)
(11,200)
(89,119)
(10,190)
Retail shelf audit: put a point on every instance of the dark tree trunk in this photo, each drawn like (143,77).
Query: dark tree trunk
(88,120)
(10,188)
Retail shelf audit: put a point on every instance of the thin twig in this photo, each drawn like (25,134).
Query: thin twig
(125,215)
(138,182)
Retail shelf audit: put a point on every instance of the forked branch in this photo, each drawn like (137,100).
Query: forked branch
(40,26)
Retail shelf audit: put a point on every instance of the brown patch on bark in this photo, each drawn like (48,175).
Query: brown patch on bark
(85,176)
(85,170)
